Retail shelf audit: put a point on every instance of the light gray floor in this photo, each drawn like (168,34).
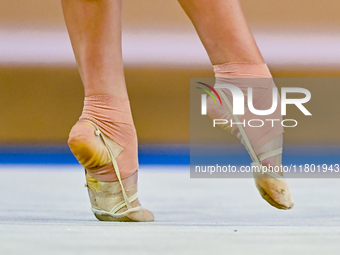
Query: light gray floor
(45,210)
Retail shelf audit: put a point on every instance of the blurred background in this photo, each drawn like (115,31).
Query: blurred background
(41,95)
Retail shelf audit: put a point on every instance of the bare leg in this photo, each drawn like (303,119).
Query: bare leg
(232,49)
(95,30)
(223,30)
(104,141)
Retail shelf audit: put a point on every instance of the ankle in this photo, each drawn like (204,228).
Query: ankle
(112,115)
(242,70)
(106,86)
(244,76)
(104,140)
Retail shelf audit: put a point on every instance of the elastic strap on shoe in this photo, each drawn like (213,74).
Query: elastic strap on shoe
(120,205)
(240,127)
(270,154)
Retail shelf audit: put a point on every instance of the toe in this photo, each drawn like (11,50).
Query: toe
(142,216)
(276,193)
